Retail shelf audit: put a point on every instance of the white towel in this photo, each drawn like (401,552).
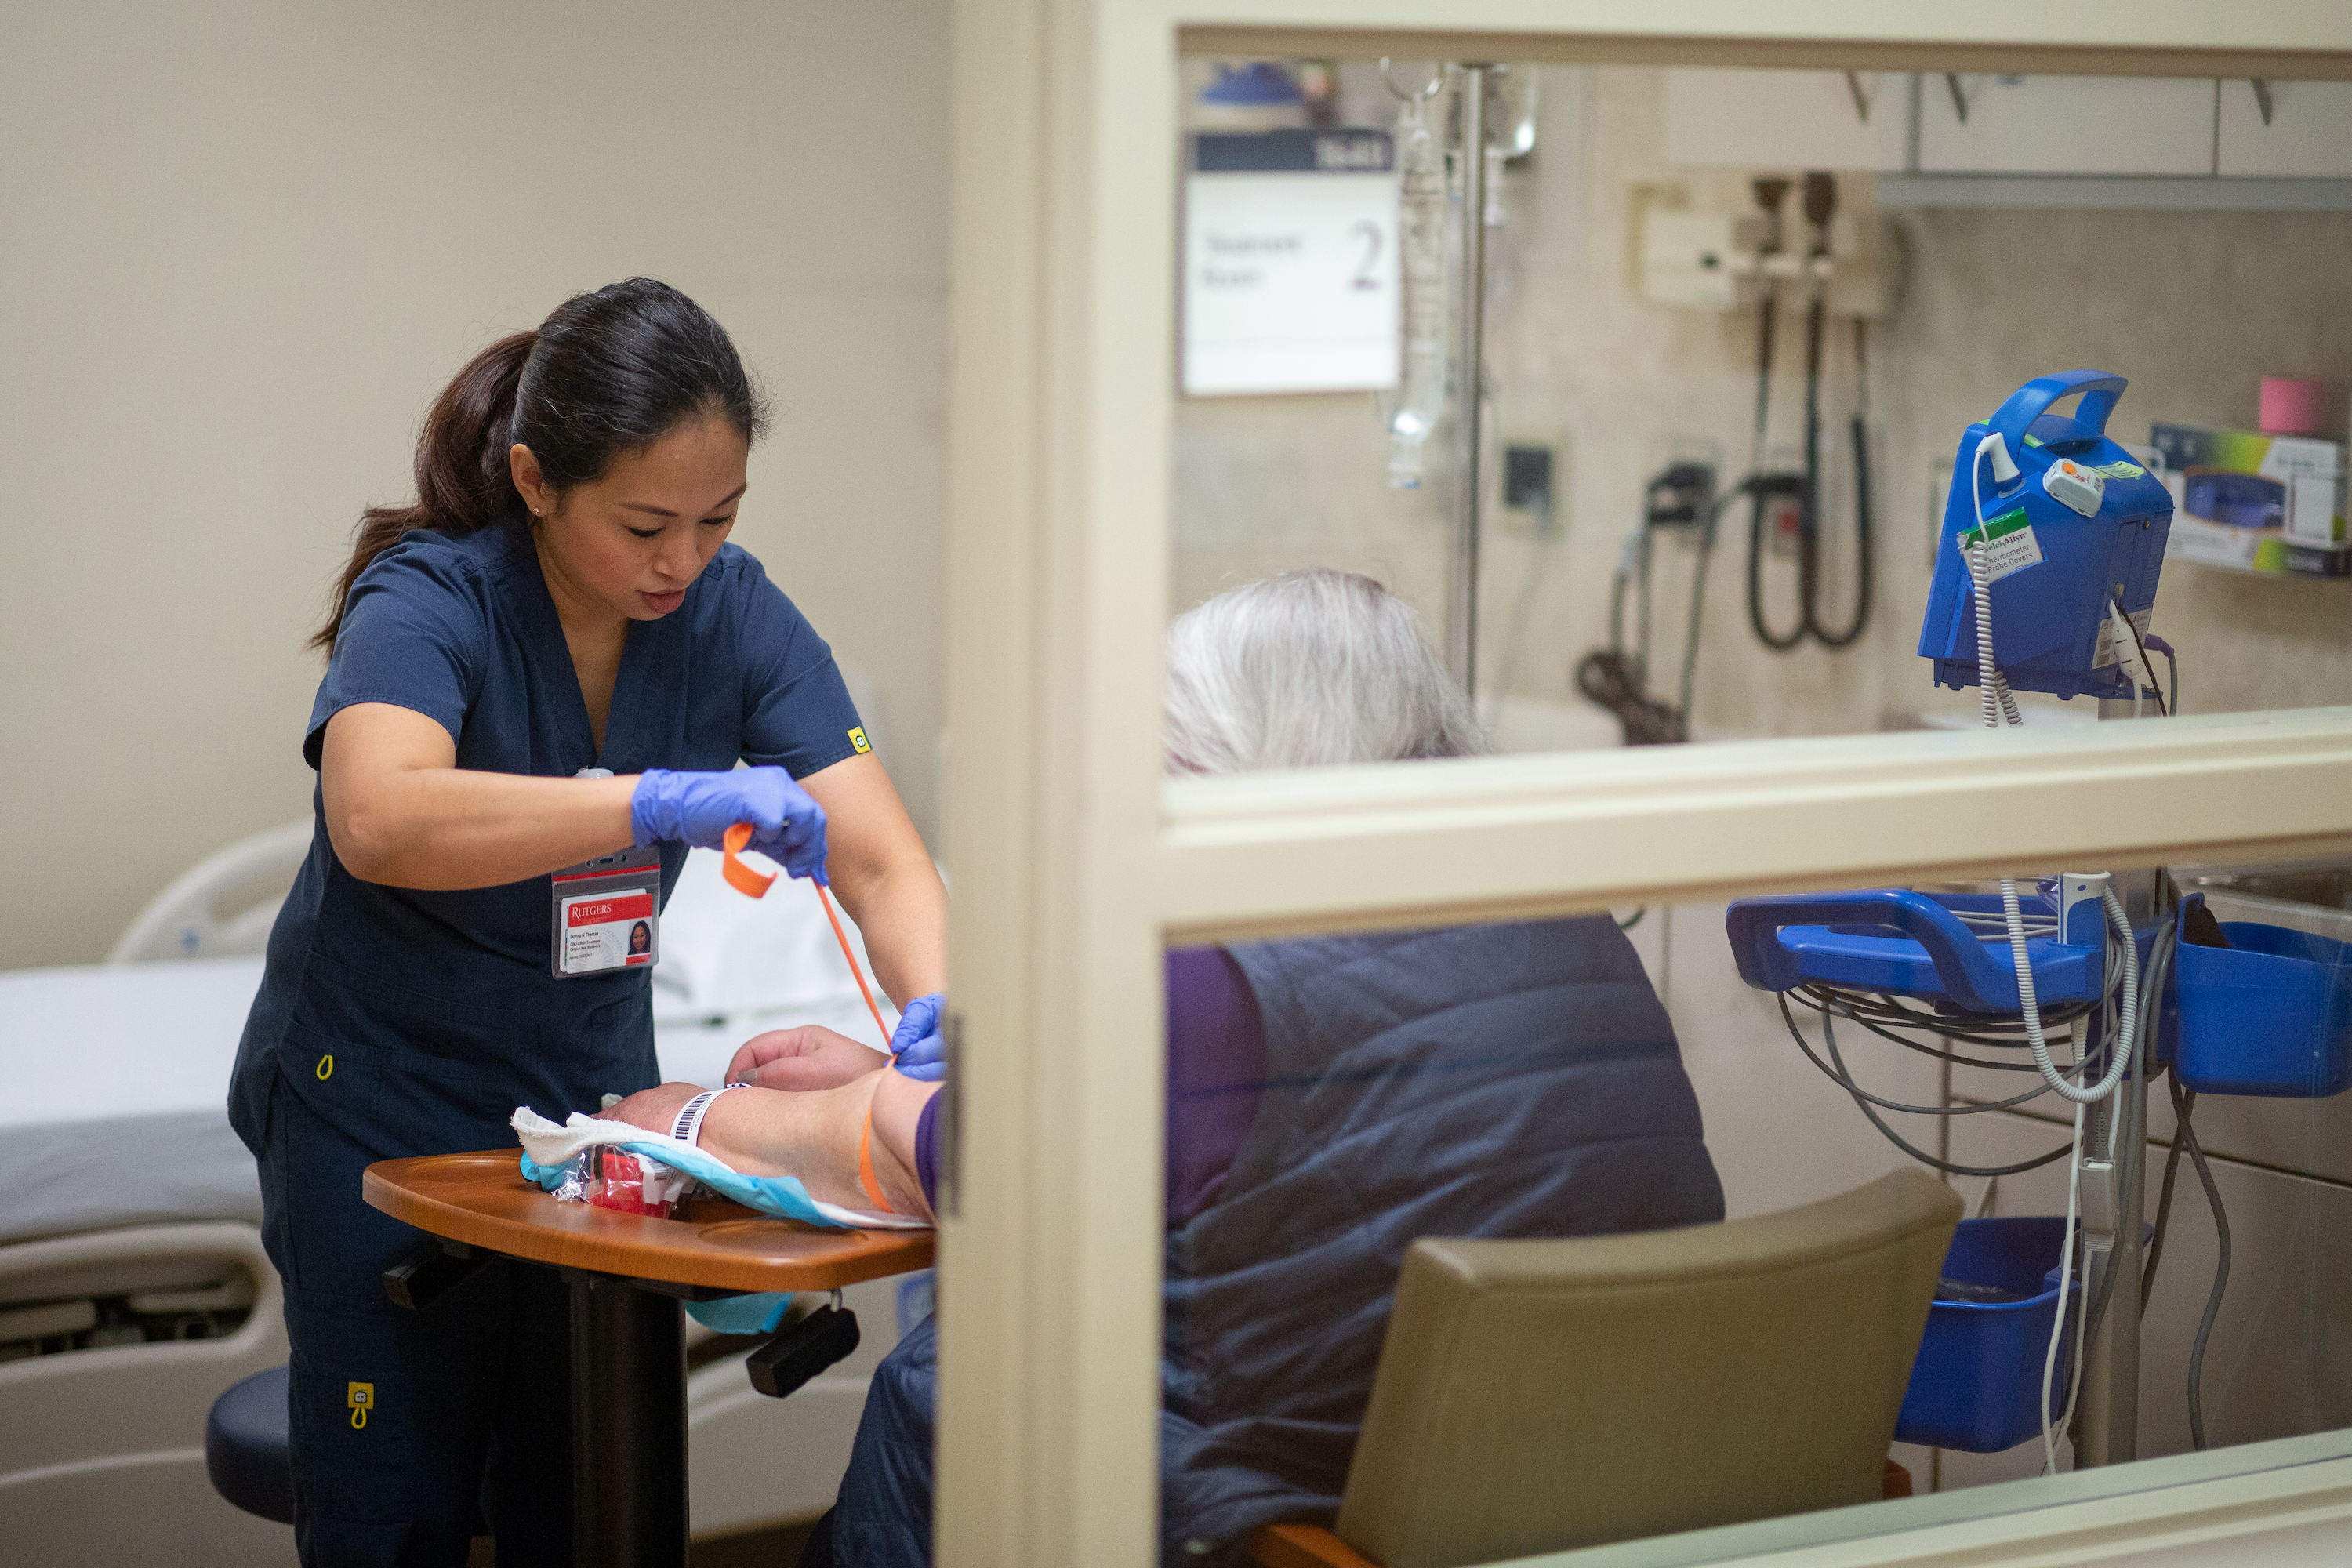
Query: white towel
(552,1145)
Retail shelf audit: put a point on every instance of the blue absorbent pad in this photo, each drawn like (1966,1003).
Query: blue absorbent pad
(756,1314)
(782,1197)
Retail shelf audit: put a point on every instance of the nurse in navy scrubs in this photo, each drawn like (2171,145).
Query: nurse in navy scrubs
(553,659)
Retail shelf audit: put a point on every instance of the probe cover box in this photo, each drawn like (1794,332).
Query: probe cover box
(2255,502)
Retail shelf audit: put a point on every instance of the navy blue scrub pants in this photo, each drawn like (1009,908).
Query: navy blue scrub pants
(467,1418)
(882,1518)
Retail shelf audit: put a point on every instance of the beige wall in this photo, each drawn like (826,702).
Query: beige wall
(247,244)
(2194,307)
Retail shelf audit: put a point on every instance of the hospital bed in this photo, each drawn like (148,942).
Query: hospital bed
(133,1286)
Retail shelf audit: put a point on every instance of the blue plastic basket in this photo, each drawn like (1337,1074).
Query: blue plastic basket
(2269,1015)
(1977,1384)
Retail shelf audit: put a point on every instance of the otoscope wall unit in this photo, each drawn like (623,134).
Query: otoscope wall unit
(1711,260)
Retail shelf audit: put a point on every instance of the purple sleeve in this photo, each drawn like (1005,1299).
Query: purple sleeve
(927,1150)
(1216,1074)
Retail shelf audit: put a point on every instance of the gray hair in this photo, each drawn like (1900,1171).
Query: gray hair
(1307,670)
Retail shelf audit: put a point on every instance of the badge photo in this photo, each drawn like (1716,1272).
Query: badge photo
(606,915)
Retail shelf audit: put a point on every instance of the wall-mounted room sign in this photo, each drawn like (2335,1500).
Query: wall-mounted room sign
(1290,263)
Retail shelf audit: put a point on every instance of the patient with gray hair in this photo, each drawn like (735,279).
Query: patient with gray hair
(1305,671)
(1329,1099)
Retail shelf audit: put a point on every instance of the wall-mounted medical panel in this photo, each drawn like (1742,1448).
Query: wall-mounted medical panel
(2304,129)
(1787,118)
(1975,124)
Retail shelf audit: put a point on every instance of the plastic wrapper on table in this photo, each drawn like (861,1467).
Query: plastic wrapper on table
(611,1178)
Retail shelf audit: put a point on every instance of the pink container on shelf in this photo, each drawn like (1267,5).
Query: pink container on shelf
(2294,404)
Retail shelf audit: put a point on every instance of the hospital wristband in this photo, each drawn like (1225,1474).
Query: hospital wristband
(689,1125)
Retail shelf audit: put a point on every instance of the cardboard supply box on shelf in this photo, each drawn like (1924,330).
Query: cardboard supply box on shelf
(2252,502)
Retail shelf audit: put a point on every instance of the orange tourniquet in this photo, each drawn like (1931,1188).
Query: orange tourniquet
(751,884)
(849,958)
(740,876)
(865,1164)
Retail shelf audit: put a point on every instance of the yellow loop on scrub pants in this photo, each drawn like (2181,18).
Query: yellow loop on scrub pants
(326,1067)
(359,1416)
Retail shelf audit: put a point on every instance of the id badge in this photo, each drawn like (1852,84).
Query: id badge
(606,914)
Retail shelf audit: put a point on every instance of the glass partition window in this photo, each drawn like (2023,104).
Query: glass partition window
(1672,446)
(1523,1199)
(1244,336)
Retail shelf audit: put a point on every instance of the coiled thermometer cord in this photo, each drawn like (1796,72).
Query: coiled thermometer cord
(2000,709)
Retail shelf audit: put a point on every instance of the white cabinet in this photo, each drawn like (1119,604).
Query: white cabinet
(2065,125)
(1786,120)
(2309,133)
(2160,132)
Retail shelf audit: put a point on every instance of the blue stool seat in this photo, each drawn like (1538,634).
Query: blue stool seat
(245,1447)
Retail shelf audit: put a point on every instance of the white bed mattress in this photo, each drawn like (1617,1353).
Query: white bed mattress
(118,1074)
(118,1087)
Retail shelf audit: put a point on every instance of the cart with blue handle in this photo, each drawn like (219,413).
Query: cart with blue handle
(2268,1014)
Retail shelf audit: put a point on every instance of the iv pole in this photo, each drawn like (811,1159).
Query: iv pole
(1461,618)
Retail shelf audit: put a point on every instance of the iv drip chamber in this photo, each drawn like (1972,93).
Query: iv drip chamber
(1421,388)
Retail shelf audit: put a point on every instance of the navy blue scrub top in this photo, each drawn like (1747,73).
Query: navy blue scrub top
(415,1022)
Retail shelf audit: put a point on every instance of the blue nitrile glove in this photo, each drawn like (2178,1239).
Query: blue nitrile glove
(916,1042)
(757,1314)
(697,808)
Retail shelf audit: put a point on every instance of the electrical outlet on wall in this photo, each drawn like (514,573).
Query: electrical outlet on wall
(1531,479)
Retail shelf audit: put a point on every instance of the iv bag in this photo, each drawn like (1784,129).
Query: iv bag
(1421,390)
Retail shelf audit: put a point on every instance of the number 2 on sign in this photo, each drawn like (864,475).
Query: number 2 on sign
(1370,232)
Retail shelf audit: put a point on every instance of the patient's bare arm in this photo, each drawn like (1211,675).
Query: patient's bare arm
(809,1056)
(812,1134)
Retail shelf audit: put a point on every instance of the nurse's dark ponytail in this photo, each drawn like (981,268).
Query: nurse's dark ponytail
(608,372)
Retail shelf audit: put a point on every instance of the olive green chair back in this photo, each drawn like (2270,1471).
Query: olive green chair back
(1536,1395)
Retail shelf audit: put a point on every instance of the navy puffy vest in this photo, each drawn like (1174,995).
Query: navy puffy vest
(1497,1081)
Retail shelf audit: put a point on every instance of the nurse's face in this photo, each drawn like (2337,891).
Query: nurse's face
(628,544)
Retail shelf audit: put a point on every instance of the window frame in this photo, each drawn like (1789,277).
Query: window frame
(1076,861)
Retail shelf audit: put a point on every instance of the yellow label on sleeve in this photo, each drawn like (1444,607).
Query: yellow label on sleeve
(857,739)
